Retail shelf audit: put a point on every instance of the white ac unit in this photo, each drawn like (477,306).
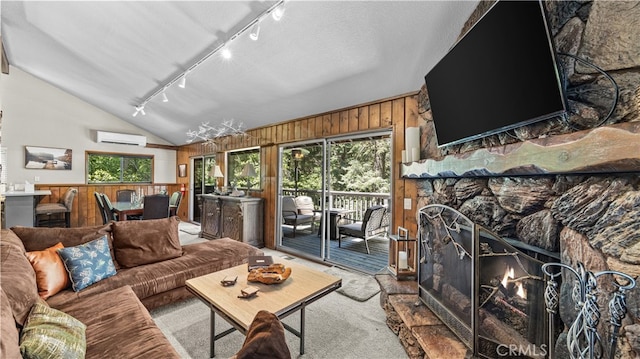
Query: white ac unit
(121,138)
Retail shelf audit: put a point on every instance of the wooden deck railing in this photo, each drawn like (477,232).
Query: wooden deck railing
(356,201)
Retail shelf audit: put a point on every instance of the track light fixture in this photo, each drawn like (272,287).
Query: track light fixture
(276,11)
(226,53)
(255,32)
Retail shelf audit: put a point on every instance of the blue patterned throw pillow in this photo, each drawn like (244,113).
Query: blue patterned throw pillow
(88,263)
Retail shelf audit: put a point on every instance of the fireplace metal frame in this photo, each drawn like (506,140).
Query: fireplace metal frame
(469,335)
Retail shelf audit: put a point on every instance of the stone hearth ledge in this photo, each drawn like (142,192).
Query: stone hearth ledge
(420,332)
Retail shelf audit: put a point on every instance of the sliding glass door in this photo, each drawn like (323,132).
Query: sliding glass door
(336,180)
(202,182)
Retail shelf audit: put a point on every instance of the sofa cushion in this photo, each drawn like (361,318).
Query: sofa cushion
(143,242)
(130,330)
(265,339)
(40,238)
(9,344)
(88,263)
(51,276)
(50,333)
(18,276)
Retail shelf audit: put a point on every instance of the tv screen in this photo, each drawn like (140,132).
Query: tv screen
(502,74)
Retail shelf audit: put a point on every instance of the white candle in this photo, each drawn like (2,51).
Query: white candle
(404,156)
(411,140)
(402,260)
(415,154)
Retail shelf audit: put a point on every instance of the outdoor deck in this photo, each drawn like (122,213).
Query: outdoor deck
(352,254)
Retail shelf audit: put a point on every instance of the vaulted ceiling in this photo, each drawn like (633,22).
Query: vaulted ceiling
(321,56)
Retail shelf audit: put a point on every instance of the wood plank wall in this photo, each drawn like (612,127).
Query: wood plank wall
(85,209)
(395,114)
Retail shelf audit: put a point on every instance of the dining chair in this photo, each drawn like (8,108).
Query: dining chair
(101,208)
(174,203)
(64,207)
(109,210)
(155,206)
(124,195)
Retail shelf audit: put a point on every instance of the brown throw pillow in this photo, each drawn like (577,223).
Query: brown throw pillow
(265,339)
(143,242)
(51,276)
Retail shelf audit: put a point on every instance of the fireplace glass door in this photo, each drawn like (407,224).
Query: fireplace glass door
(489,293)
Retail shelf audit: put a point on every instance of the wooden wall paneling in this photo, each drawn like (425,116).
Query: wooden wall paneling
(344,122)
(269,193)
(363,118)
(335,124)
(81,216)
(396,114)
(320,122)
(374,115)
(410,187)
(298,132)
(311,127)
(353,124)
(385,114)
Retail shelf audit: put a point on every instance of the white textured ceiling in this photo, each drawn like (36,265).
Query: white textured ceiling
(322,56)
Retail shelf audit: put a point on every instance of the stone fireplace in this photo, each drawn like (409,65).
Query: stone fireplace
(590,216)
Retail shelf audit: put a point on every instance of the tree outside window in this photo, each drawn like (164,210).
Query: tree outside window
(119,168)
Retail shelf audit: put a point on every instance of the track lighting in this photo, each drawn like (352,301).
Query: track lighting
(255,32)
(226,53)
(278,12)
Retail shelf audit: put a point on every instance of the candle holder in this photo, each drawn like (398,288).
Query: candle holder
(402,255)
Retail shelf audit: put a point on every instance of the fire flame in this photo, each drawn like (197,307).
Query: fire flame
(510,274)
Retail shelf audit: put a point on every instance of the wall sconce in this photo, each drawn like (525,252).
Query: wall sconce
(182,170)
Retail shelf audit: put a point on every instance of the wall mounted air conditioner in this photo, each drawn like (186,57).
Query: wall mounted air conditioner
(120,138)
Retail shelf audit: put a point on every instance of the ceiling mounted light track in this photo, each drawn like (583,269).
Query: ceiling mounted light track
(276,10)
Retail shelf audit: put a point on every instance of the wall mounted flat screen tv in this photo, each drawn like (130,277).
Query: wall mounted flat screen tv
(502,74)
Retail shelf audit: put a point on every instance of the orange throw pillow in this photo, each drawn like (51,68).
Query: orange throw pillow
(51,276)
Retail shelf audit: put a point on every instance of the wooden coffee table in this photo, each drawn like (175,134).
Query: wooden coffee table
(304,286)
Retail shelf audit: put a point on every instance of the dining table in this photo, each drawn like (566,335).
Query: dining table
(127,209)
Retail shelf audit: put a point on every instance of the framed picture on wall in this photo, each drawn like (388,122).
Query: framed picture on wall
(47,158)
(182,170)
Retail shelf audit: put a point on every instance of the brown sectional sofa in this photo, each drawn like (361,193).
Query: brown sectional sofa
(115,309)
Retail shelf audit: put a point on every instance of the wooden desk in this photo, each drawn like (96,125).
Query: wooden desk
(304,286)
(20,207)
(125,209)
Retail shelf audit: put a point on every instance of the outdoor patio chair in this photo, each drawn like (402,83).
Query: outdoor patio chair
(306,207)
(374,223)
(291,216)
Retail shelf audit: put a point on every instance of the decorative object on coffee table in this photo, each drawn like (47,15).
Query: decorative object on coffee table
(273,274)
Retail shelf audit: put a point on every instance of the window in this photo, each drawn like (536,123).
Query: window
(119,168)
(236,162)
